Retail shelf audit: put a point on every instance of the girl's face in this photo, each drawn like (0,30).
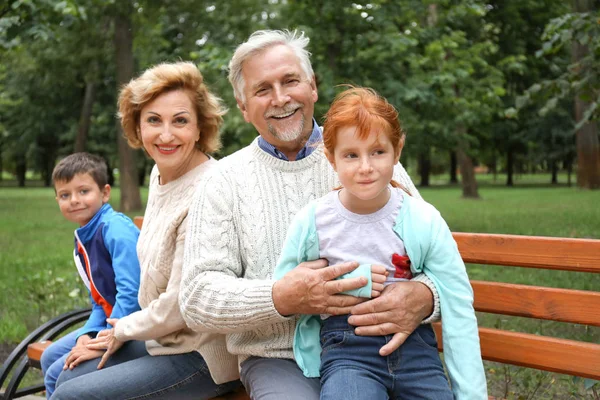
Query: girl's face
(365,168)
(169,131)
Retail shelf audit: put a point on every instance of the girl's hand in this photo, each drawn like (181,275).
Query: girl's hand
(378,276)
(106,340)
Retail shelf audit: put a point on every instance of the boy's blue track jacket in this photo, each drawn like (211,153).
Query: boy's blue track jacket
(106,259)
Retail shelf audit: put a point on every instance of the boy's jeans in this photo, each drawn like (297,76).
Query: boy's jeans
(351,367)
(53,360)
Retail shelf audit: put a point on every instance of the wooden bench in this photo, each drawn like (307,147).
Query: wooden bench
(545,353)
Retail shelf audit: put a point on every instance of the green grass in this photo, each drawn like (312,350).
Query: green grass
(38,279)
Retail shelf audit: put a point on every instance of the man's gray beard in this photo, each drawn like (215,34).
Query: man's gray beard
(289,135)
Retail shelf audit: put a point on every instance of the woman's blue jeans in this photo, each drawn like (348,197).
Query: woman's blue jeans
(351,367)
(134,374)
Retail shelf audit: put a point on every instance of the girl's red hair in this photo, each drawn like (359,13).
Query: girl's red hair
(366,110)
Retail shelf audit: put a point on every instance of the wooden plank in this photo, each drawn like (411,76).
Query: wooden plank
(530,251)
(563,305)
(239,394)
(35,350)
(138,221)
(534,351)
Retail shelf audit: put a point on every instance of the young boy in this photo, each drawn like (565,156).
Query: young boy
(105,256)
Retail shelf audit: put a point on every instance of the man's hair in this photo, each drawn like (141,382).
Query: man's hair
(164,78)
(81,163)
(260,41)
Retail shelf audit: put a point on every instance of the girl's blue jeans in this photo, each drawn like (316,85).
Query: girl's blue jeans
(351,367)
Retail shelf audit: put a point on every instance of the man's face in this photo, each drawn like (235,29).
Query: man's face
(279,98)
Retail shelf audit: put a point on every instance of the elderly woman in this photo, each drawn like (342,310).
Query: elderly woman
(169,112)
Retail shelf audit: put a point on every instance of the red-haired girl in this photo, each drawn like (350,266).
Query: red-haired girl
(373,220)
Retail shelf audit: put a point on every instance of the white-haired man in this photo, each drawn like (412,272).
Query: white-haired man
(238,222)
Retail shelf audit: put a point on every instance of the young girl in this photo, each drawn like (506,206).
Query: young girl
(373,220)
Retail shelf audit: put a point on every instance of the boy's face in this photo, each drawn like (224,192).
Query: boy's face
(81,198)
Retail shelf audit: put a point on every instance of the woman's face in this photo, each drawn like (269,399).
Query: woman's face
(169,132)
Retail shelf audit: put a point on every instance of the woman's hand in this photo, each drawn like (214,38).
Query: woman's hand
(80,353)
(106,340)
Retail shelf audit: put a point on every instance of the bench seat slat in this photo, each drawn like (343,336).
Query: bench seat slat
(534,351)
(529,251)
(553,304)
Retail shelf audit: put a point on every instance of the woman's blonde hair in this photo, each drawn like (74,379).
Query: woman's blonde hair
(164,78)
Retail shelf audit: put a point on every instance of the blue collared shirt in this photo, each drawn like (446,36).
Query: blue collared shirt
(315,137)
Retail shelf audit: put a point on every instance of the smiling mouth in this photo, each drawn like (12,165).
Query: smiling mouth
(167,149)
(284,116)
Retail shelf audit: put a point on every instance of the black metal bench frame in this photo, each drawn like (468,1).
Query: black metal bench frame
(18,363)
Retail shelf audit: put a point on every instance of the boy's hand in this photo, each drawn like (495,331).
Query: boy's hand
(378,276)
(106,340)
(80,353)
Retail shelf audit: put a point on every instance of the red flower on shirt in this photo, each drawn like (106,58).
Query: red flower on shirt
(402,264)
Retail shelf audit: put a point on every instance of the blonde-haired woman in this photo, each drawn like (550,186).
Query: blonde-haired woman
(170,113)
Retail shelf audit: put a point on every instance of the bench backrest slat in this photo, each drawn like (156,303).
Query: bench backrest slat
(538,302)
(534,351)
(530,251)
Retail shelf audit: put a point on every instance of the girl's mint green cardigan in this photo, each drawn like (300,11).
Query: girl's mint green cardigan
(432,250)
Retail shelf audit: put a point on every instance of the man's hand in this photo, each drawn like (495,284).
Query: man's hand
(311,288)
(106,340)
(80,353)
(398,311)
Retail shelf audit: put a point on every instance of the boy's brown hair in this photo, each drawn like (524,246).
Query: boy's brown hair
(81,163)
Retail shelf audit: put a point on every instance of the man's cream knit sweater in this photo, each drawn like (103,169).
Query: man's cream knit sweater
(236,228)
(160,251)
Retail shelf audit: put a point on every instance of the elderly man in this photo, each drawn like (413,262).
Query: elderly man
(238,222)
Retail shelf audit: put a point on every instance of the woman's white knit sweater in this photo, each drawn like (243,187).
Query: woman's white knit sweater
(237,225)
(160,251)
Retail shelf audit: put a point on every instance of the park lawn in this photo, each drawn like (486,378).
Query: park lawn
(38,279)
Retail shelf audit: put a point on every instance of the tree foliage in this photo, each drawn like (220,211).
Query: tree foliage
(463,73)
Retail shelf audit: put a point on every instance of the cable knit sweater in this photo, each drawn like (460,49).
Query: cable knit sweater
(160,251)
(237,225)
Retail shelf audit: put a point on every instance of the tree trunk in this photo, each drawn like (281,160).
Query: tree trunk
(510,164)
(424,167)
(554,167)
(494,167)
(21,169)
(569,172)
(142,174)
(453,167)
(467,171)
(588,147)
(128,178)
(47,167)
(85,118)
(111,175)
